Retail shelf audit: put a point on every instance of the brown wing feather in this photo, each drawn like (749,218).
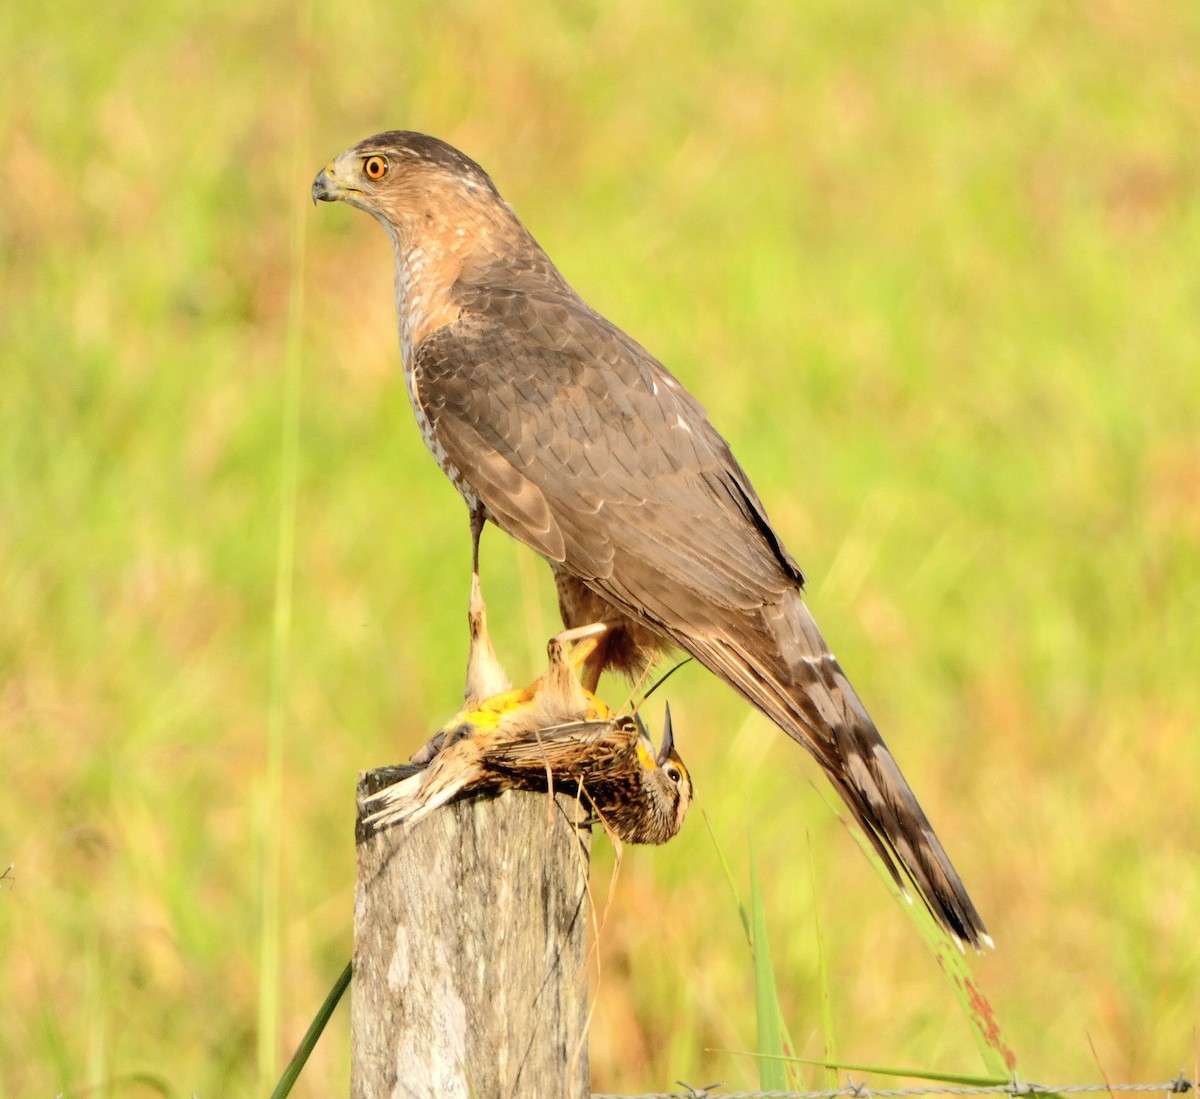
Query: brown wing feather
(657,517)
(624,457)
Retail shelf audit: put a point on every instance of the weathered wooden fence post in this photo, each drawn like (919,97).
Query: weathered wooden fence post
(470,941)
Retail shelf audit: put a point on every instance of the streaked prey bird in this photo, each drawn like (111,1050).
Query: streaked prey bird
(549,735)
(563,431)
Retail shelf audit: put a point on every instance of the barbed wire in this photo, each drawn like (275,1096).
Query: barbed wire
(1179,1086)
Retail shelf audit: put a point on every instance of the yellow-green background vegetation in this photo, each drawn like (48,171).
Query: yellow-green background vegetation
(935,272)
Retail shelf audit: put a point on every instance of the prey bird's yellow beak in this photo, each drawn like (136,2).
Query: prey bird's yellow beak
(325,188)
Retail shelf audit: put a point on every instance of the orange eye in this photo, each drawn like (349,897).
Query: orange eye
(375,167)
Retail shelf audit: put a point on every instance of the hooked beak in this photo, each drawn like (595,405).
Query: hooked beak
(668,742)
(324,188)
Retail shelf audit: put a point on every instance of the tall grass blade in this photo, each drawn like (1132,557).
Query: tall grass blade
(315,1029)
(750,921)
(771,1074)
(742,914)
(271,810)
(831,1079)
(955,1078)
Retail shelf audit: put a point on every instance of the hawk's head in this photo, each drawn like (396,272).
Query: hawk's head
(405,178)
(448,225)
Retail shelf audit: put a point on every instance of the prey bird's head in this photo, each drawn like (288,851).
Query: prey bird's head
(667,782)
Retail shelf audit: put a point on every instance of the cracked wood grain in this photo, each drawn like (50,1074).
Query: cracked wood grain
(470,940)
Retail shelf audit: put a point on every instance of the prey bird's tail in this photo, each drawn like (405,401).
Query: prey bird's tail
(788,672)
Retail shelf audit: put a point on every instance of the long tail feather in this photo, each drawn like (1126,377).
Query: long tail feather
(810,698)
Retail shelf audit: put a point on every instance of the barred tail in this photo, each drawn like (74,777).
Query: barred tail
(803,689)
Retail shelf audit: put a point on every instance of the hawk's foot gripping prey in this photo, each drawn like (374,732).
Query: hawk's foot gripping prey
(551,735)
(560,429)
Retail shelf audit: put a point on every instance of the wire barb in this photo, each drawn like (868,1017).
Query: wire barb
(704,1092)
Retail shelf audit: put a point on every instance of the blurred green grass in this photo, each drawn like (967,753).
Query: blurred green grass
(934,274)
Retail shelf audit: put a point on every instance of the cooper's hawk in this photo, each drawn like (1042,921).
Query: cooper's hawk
(562,430)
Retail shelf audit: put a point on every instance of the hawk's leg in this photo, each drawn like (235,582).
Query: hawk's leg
(485,676)
(628,646)
(557,695)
